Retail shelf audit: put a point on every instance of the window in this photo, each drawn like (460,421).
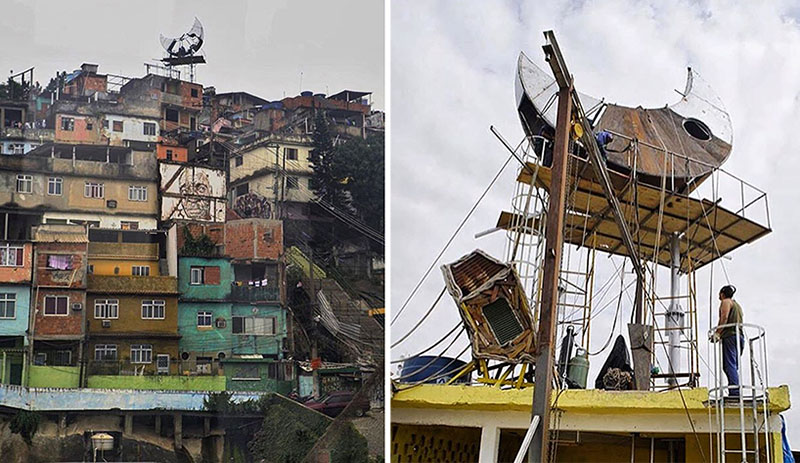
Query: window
(169,155)
(105,123)
(242,189)
(171,115)
(258,326)
(238,160)
(8,303)
(24,184)
(290,153)
(40,359)
(62,358)
(292,183)
(140,270)
(246,373)
(194,92)
(67,123)
(149,128)
(137,193)
(55,186)
(11,256)
(311,184)
(196,276)
(106,308)
(56,305)
(153,309)
(17,148)
(90,269)
(105,353)
(89,125)
(94,190)
(141,353)
(116,126)
(204,319)
(127,225)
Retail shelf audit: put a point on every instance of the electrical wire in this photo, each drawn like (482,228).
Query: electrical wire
(450,241)
(419,323)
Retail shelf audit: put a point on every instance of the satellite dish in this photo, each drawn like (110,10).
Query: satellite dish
(187,44)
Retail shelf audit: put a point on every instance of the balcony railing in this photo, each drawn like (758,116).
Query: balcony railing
(249,293)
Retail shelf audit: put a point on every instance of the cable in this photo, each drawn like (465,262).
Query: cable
(429,348)
(434,359)
(458,229)
(419,323)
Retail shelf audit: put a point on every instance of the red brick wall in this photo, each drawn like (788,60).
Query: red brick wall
(72,324)
(196,229)
(186,94)
(254,239)
(75,278)
(19,274)
(212,275)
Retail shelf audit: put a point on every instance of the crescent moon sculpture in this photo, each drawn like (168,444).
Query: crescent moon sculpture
(187,44)
(695,134)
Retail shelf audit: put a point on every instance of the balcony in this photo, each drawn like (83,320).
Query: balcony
(247,293)
(40,135)
(132,284)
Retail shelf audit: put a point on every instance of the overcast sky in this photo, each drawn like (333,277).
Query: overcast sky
(253,46)
(453,68)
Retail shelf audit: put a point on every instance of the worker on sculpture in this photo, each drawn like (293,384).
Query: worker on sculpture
(603,138)
(729,331)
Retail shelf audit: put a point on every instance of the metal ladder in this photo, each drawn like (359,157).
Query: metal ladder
(747,416)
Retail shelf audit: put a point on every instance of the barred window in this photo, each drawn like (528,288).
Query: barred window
(106,308)
(24,184)
(137,193)
(149,128)
(94,190)
(11,256)
(153,309)
(140,270)
(141,353)
(105,352)
(204,319)
(8,305)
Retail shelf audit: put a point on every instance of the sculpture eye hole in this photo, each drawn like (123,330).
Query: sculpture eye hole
(697,129)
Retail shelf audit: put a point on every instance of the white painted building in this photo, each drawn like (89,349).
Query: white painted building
(118,127)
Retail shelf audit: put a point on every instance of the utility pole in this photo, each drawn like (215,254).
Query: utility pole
(554,234)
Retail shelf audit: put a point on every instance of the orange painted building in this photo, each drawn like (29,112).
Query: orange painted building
(172,152)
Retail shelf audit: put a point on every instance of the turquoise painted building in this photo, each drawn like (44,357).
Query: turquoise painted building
(204,311)
(230,328)
(14,315)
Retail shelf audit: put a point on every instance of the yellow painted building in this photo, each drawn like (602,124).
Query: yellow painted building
(443,423)
(124,259)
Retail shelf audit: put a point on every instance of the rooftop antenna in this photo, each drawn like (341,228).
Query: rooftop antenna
(183,50)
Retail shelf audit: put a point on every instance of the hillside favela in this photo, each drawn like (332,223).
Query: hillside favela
(187,274)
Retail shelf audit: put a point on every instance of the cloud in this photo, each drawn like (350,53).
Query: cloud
(452,71)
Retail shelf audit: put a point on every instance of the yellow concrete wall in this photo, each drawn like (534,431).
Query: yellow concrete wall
(114,189)
(130,315)
(434,443)
(107,266)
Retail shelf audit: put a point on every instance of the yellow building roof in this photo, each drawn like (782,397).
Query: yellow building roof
(584,400)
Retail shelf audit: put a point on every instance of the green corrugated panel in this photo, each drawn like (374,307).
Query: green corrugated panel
(501,319)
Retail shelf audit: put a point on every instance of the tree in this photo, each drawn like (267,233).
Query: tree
(327,177)
(363,162)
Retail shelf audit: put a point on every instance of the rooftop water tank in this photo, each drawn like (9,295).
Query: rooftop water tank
(432,369)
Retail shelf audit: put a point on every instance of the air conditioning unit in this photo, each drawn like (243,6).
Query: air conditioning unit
(77,307)
(111,204)
(106,323)
(220,322)
(203,368)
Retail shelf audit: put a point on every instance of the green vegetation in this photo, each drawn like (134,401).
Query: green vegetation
(25,424)
(202,245)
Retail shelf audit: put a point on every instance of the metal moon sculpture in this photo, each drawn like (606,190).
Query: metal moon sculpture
(187,44)
(685,141)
